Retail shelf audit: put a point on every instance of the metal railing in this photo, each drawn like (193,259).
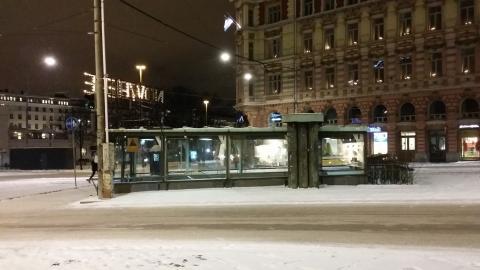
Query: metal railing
(384,169)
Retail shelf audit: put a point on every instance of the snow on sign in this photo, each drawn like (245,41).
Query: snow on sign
(132,145)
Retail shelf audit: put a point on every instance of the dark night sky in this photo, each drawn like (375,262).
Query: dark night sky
(31,29)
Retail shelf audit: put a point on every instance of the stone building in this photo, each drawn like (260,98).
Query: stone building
(34,134)
(407,68)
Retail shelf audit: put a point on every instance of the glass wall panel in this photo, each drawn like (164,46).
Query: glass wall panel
(253,155)
(343,153)
(197,157)
(132,166)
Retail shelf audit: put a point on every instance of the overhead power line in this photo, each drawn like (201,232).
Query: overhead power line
(178,30)
(118,28)
(66,18)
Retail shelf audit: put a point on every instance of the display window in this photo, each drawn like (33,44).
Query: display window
(470,147)
(343,153)
(380,143)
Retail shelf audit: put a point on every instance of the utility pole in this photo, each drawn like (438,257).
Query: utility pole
(104,180)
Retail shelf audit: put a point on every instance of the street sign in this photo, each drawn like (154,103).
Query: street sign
(132,145)
(71,123)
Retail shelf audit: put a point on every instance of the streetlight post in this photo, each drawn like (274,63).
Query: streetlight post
(140,69)
(206,111)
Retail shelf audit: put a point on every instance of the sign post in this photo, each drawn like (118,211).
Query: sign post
(71,123)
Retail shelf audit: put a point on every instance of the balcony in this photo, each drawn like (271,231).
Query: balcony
(407,118)
(438,117)
(434,39)
(380,119)
(470,115)
(466,34)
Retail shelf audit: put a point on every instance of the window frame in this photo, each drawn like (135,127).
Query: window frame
(274,13)
(352,33)
(330,77)
(435,18)
(406,67)
(329,38)
(274,82)
(405,23)
(378,25)
(469,12)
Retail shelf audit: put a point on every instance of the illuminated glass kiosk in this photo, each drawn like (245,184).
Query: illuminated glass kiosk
(158,159)
(343,154)
(198,157)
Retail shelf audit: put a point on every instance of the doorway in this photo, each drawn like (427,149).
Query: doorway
(438,147)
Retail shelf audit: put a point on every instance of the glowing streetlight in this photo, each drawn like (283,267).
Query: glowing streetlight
(206,110)
(140,69)
(248,76)
(50,61)
(225,57)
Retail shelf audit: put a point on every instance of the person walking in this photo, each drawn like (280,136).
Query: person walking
(94,164)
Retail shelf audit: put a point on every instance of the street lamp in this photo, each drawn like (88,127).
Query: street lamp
(140,69)
(225,57)
(50,61)
(206,110)
(248,76)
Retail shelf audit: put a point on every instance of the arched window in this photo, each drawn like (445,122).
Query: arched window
(380,114)
(407,112)
(438,110)
(354,115)
(331,116)
(470,108)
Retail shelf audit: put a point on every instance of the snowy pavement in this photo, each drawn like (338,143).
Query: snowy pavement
(158,254)
(15,184)
(457,183)
(49,231)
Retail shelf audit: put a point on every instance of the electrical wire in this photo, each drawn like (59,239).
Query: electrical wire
(66,18)
(118,28)
(175,29)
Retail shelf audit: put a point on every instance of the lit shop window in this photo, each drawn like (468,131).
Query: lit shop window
(343,153)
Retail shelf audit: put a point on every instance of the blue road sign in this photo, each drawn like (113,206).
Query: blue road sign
(71,123)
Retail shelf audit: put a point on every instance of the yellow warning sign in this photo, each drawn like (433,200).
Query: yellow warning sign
(132,145)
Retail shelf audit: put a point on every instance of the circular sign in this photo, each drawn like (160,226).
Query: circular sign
(71,123)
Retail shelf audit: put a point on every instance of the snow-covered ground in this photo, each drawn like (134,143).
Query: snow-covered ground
(19,183)
(434,183)
(158,254)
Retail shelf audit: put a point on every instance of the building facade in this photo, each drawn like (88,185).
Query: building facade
(407,68)
(34,127)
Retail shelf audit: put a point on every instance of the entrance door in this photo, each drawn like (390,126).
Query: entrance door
(437,148)
(407,146)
